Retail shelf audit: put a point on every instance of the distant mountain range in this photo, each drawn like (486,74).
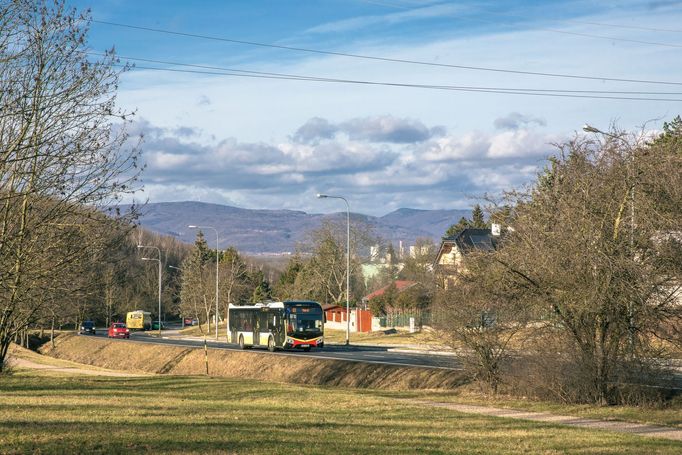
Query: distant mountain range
(278,231)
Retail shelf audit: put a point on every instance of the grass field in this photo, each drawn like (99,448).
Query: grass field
(48,413)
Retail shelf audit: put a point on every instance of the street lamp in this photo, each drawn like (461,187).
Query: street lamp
(327,196)
(591,129)
(159,261)
(192,226)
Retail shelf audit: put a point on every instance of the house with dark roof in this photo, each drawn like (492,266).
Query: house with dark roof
(453,249)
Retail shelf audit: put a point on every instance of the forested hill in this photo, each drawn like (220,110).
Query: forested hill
(277,231)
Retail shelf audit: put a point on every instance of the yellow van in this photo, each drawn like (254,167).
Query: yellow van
(139,320)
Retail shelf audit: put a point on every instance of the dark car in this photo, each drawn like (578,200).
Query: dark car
(88,327)
(118,330)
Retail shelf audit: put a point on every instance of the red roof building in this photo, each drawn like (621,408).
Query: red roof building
(400,285)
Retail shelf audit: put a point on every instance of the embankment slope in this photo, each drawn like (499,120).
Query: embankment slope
(253,365)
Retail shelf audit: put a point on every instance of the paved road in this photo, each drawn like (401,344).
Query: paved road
(353,353)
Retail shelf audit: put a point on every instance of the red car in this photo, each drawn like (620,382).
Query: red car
(118,330)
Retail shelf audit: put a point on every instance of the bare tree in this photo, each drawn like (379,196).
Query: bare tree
(322,276)
(595,249)
(234,277)
(61,158)
(481,315)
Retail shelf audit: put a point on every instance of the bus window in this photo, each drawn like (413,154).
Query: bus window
(305,323)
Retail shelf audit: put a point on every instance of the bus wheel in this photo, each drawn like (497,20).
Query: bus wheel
(271,344)
(241,342)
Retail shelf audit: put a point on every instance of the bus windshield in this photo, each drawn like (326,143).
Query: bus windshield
(304,323)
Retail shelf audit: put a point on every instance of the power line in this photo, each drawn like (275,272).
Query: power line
(430,86)
(404,85)
(387,59)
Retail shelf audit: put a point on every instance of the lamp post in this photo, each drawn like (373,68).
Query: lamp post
(159,261)
(327,196)
(192,226)
(591,129)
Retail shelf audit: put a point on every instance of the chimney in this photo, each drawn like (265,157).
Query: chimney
(495,229)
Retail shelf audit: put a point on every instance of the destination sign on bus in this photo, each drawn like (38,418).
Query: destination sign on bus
(300,309)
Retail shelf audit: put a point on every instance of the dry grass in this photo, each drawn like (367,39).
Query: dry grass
(423,339)
(257,365)
(176,414)
(201,330)
(436,385)
(23,353)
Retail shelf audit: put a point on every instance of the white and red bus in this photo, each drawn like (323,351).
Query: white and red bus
(277,325)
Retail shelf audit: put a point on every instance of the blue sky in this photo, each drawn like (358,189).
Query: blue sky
(272,143)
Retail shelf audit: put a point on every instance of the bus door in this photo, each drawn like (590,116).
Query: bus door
(256,328)
(278,328)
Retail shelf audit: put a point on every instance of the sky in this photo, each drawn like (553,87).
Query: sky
(399,129)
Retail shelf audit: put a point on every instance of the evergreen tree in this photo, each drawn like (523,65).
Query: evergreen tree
(262,291)
(672,135)
(477,221)
(477,218)
(201,254)
(462,224)
(285,287)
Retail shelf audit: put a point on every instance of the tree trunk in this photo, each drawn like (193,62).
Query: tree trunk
(3,352)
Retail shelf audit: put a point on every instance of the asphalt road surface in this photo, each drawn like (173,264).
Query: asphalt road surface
(351,353)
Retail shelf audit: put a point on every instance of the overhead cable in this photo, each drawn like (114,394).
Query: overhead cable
(388,59)
(404,85)
(433,86)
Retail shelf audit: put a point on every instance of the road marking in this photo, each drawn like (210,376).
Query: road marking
(199,344)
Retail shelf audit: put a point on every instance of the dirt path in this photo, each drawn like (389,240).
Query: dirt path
(23,363)
(594,424)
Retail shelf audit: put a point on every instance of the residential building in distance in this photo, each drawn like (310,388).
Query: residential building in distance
(453,249)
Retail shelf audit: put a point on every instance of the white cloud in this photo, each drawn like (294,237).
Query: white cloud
(279,174)
(408,15)
(163,161)
(519,143)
